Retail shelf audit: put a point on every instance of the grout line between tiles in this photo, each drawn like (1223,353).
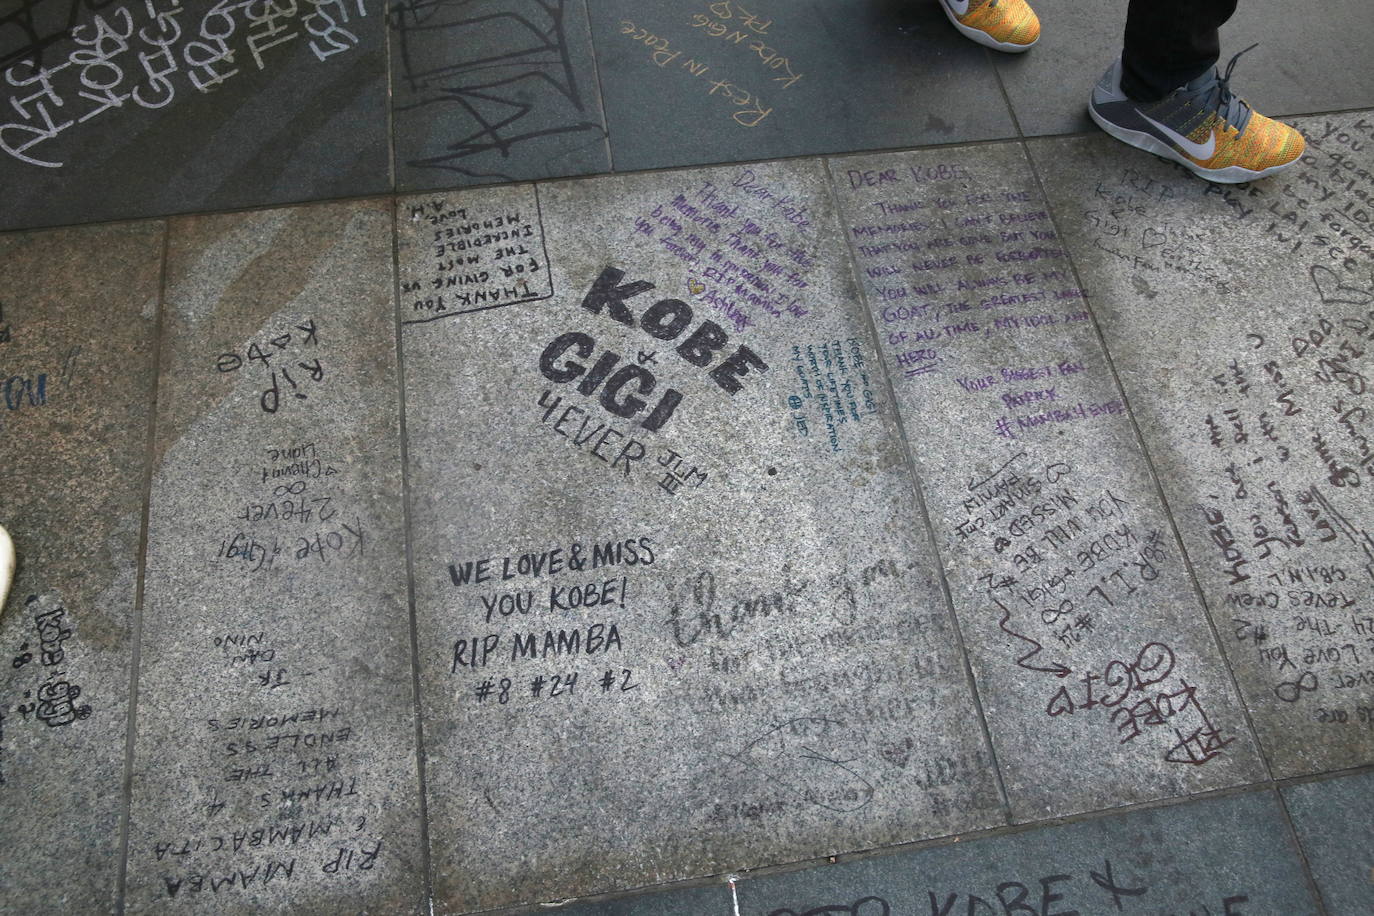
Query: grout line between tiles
(909,457)
(460,188)
(136,630)
(1155,478)
(456,188)
(1296,841)
(1006,97)
(390,104)
(425,857)
(600,90)
(990,833)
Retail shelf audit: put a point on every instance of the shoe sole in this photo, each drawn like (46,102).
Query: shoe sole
(6,566)
(1232,174)
(983,38)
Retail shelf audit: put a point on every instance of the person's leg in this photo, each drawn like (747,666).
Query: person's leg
(1170,43)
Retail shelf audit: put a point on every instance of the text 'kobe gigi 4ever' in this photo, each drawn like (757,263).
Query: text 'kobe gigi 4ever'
(664,320)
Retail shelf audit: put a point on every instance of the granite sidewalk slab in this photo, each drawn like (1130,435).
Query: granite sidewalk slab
(130,109)
(677,608)
(1101,679)
(275,766)
(78,315)
(1240,320)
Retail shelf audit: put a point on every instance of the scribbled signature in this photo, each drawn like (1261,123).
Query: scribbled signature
(809,757)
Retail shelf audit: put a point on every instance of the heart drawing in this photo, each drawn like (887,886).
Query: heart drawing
(1333,292)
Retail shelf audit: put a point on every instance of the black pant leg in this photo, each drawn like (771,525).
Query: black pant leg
(1169,43)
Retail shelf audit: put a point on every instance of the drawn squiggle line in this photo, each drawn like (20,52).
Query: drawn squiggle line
(1057,669)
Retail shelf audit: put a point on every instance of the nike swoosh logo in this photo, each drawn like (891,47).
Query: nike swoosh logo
(1196,150)
(957,7)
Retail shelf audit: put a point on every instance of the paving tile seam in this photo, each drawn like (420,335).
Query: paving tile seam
(1132,450)
(1199,594)
(396,194)
(908,456)
(1158,446)
(1337,852)
(880,852)
(408,541)
(1089,133)
(390,109)
(1006,96)
(600,88)
(1007,830)
(1296,841)
(136,629)
(1155,480)
(1141,444)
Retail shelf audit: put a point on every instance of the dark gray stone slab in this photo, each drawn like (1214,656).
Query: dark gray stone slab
(1315,63)
(1099,674)
(690,83)
(1239,319)
(77,315)
(1221,856)
(150,108)
(1335,824)
(494,90)
(686,902)
(688,621)
(1048,86)
(275,764)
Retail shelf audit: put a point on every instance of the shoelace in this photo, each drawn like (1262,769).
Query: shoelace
(1221,99)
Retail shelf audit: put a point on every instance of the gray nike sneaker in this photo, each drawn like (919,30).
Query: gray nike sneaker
(1201,125)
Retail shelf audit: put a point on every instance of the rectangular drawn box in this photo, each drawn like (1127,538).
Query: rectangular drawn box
(482,256)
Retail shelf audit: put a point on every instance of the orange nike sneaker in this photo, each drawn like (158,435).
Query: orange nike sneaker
(1003,25)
